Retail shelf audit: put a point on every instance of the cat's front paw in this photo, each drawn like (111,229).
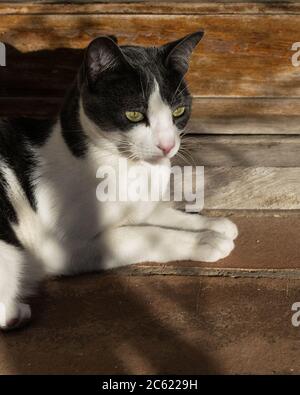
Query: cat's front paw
(223,226)
(213,246)
(13,318)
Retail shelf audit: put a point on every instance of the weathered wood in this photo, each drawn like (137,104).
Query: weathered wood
(245,125)
(178,7)
(234,60)
(245,116)
(253,188)
(249,56)
(260,151)
(193,271)
(210,116)
(248,188)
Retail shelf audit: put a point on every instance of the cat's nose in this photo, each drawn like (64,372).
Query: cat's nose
(166,148)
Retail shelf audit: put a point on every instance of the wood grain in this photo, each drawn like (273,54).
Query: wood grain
(260,151)
(178,7)
(254,188)
(210,116)
(245,116)
(241,77)
(248,188)
(247,57)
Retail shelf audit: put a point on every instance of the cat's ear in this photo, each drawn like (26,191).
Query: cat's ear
(114,38)
(177,54)
(101,55)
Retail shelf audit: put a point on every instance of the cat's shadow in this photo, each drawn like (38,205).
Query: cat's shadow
(113,324)
(34,83)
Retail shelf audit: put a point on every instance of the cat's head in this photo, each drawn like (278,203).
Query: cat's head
(137,96)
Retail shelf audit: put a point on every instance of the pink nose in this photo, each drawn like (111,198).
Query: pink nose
(166,148)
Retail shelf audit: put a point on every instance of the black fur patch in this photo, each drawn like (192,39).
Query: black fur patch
(71,128)
(129,88)
(18,138)
(7,216)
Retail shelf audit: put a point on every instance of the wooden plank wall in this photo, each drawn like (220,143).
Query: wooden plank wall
(246,90)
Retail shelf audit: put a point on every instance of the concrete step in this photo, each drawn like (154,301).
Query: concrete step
(178,318)
(162,324)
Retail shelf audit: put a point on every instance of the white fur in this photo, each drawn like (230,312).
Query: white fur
(161,130)
(72,232)
(13,286)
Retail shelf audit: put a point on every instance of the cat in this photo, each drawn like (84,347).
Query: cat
(126,101)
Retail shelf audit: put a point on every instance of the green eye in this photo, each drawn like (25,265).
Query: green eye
(178,112)
(134,116)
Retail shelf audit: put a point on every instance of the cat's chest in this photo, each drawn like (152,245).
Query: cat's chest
(79,203)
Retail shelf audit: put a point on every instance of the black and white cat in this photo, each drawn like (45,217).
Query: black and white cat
(127,101)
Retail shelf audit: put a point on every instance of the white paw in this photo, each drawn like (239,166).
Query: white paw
(15,316)
(223,226)
(213,246)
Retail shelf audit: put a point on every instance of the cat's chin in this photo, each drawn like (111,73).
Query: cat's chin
(157,160)
(154,160)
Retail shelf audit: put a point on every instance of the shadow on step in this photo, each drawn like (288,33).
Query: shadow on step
(112,324)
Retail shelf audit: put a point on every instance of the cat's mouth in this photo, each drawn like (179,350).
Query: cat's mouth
(136,154)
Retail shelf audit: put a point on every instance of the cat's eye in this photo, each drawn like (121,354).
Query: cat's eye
(134,116)
(178,112)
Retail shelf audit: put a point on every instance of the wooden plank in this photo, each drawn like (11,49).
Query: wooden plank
(260,151)
(252,188)
(248,188)
(210,116)
(155,7)
(245,116)
(284,124)
(249,56)
(193,271)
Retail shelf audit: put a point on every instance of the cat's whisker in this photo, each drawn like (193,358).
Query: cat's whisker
(174,95)
(144,97)
(188,156)
(180,92)
(179,154)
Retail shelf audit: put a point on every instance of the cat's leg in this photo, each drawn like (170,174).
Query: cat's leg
(168,217)
(13,313)
(136,244)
